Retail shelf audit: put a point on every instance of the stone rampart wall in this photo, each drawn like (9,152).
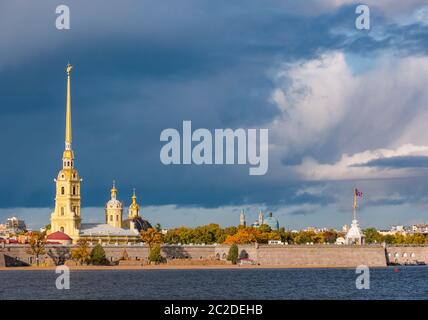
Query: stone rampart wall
(276,255)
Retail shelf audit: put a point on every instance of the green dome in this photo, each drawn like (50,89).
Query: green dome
(272,222)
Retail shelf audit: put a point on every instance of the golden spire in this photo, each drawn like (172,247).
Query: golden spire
(134,208)
(68,155)
(134,197)
(68,115)
(114,190)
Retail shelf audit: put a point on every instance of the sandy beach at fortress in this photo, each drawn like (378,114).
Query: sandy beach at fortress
(171,267)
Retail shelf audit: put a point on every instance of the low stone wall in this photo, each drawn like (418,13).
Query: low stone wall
(20,254)
(2,260)
(134,253)
(196,262)
(407,254)
(265,255)
(321,256)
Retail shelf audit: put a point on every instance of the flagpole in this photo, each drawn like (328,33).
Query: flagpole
(355,204)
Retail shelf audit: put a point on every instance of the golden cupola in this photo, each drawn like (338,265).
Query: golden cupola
(114,209)
(134,208)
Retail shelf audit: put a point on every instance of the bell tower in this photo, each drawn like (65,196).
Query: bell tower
(114,209)
(134,208)
(66,216)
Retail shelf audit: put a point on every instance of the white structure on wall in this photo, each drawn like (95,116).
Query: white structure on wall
(354,234)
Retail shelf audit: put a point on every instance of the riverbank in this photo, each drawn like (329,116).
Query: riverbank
(173,267)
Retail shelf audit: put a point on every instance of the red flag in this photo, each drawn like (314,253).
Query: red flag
(358,193)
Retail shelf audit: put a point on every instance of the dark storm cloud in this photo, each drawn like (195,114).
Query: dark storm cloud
(141,67)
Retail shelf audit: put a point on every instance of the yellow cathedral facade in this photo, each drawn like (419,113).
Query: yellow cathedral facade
(66,217)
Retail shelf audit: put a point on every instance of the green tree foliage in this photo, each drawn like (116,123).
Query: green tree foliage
(208,234)
(304,237)
(233,253)
(212,233)
(372,235)
(155,254)
(98,256)
(265,228)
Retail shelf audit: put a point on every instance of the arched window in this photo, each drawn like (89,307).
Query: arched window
(62,211)
(74,190)
(117,218)
(61,229)
(62,190)
(111,217)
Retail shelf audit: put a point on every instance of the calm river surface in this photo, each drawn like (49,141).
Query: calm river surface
(385,283)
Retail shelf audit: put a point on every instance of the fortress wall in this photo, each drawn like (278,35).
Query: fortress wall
(322,256)
(114,253)
(189,252)
(403,254)
(279,255)
(18,253)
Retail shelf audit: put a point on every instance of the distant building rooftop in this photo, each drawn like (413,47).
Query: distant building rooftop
(96,229)
(58,236)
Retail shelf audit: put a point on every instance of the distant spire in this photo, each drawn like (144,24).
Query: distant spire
(134,197)
(113,190)
(134,208)
(68,135)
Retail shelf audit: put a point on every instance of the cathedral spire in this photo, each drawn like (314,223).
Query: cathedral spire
(134,208)
(68,137)
(113,190)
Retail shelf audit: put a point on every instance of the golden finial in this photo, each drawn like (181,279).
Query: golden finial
(113,190)
(69,67)
(134,197)
(68,136)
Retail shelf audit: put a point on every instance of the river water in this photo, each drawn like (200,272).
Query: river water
(385,283)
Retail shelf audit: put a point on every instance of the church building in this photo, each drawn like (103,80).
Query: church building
(66,217)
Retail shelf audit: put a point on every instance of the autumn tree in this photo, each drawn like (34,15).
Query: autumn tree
(155,254)
(151,237)
(37,245)
(243,236)
(81,253)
